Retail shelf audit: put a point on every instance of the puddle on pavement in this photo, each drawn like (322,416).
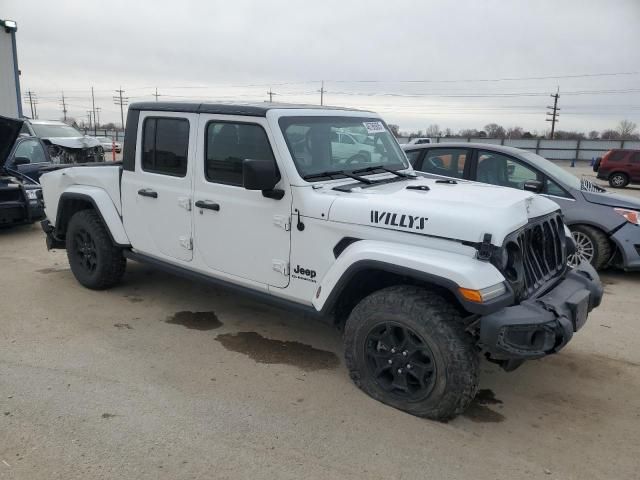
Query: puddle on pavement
(479,412)
(269,351)
(123,326)
(195,320)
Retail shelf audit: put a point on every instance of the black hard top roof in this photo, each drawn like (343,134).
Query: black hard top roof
(248,109)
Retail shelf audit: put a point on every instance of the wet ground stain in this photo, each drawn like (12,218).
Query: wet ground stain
(269,351)
(52,270)
(123,325)
(479,412)
(108,415)
(134,299)
(195,320)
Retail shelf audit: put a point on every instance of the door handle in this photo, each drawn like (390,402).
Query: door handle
(208,204)
(145,192)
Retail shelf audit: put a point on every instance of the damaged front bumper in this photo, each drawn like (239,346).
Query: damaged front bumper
(543,325)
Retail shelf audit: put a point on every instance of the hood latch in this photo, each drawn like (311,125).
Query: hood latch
(484,252)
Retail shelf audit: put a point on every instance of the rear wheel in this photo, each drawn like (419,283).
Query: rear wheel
(94,260)
(592,246)
(618,180)
(407,347)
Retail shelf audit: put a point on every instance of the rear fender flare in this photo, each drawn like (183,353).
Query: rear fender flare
(102,204)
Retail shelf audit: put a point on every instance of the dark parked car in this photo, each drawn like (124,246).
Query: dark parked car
(605,226)
(20,159)
(619,167)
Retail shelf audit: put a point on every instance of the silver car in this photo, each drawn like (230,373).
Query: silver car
(605,226)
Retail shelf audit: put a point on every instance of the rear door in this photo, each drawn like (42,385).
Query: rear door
(238,232)
(156,196)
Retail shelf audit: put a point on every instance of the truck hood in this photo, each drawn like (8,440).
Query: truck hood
(74,142)
(9,131)
(612,200)
(463,211)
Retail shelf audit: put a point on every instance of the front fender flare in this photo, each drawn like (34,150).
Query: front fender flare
(446,269)
(102,204)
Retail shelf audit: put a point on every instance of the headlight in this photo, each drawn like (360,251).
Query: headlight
(32,194)
(484,295)
(632,216)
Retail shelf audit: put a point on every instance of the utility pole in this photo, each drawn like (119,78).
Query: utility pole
(93,107)
(31,96)
(271,94)
(97,121)
(156,94)
(89,113)
(554,112)
(122,101)
(322,90)
(64,107)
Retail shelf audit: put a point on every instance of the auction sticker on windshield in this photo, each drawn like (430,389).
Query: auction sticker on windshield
(374,127)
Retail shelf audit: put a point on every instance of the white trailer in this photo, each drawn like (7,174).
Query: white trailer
(10,104)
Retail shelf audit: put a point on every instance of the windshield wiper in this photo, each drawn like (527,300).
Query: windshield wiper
(333,173)
(380,167)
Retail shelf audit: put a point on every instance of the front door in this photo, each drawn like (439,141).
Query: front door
(156,196)
(634,165)
(238,232)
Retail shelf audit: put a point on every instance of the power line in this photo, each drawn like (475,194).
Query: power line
(554,112)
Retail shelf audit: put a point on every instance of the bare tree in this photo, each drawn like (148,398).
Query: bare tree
(594,135)
(468,132)
(494,130)
(448,132)
(515,132)
(610,135)
(432,130)
(395,129)
(626,129)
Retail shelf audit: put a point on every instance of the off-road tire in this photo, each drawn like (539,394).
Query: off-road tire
(107,262)
(618,180)
(602,249)
(439,325)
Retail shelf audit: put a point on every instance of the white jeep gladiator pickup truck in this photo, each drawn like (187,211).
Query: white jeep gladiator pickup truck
(423,276)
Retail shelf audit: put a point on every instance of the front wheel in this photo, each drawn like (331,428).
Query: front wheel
(407,347)
(94,260)
(592,246)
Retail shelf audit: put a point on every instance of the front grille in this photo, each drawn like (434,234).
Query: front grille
(536,254)
(10,194)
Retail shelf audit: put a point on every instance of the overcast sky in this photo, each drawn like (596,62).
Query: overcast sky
(459,63)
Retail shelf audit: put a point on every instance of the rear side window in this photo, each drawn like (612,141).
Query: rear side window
(165,146)
(449,162)
(230,144)
(617,156)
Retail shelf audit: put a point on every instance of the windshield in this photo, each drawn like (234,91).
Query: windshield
(55,130)
(553,170)
(330,144)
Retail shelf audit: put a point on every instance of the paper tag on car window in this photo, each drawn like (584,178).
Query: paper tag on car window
(374,127)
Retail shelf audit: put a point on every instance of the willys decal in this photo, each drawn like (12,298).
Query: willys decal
(398,220)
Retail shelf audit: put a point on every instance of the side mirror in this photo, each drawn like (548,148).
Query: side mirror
(21,161)
(261,175)
(534,186)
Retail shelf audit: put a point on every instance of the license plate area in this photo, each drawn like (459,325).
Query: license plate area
(579,305)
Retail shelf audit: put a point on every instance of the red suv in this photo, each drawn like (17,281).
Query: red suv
(619,167)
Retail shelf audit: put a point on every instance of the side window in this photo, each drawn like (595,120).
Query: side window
(617,156)
(346,139)
(228,145)
(31,150)
(498,169)
(413,156)
(552,188)
(449,162)
(165,146)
